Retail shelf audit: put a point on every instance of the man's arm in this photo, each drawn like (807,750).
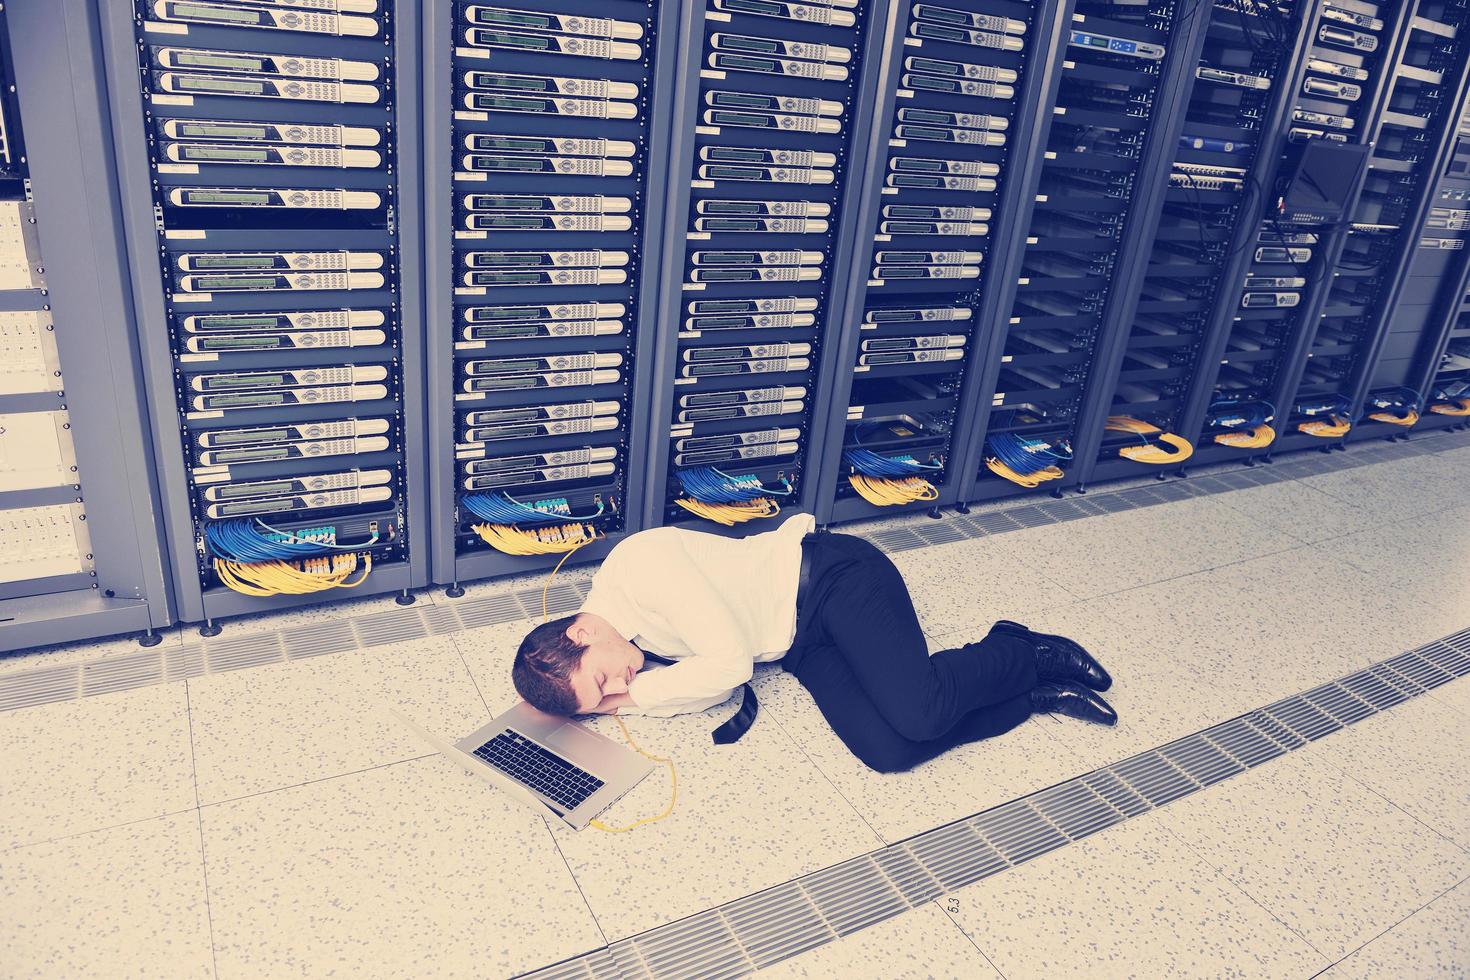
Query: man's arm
(610,704)
(688,601)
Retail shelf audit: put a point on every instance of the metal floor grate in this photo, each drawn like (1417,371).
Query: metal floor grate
(783,921)
(162,665)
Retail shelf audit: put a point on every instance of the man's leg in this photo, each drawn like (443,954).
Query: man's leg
(865,612)
(856,720)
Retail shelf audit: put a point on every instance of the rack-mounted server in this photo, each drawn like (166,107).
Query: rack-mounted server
(1386,273)
(1310,191)
(955,136)
(287,297)
(1110,135)
(774,152)
(1240,96)
(551,140)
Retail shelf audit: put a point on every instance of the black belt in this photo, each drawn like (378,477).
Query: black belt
(735,727)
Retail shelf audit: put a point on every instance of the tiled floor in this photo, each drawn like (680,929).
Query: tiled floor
(274,821)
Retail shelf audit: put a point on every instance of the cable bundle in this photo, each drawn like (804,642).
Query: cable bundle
(889,481)
(1451,399)
(303,577)
(1337,423)
(1152,452)
(1026,462)
(255,559)
(729,500)
(1399,407)
(536,541)
(1247,423)
(505,520)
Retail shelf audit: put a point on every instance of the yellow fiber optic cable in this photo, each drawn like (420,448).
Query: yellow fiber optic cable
(883,492)
(1261,435)
(1459,407)
(1022,479)
(271,578)
(1151,452)
(731,514)
(535,541)
(1391,419)
(1328,428)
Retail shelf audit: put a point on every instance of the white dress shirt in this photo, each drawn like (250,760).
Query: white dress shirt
(716,605)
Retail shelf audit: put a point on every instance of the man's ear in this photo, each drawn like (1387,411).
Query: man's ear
(579,632)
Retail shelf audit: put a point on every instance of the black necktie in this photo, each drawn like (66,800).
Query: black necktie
(739,723)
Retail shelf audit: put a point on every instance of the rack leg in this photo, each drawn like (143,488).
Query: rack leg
(210,628)
(961,508)
(455,591)
(404,598)
(150,639)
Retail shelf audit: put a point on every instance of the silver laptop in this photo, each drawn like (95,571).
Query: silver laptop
(546,762)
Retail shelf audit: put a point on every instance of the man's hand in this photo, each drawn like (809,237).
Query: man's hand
(610,704)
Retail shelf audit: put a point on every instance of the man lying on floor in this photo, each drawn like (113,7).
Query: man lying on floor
(832,609)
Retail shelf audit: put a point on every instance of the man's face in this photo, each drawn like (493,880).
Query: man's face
(607,666)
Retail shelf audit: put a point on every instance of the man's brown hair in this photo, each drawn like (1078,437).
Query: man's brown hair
(543,667)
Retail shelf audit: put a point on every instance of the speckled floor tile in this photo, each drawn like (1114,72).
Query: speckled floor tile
(1402,755)
(1398,489)
(1456,694)
(125,901)
(411,870)
(756,813)
(77,766)
(912,946)
(1093,557)
(1301,510)
(1085,910)
(1426,558)
(1433,942)
(963,781)
(36,658)
(1241,630)
(282,724)
(1332,860)
(970,584)
(489,652)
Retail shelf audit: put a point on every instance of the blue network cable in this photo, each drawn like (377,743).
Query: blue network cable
(1398,398)
(709,485)
(502,508)
(869,463)
(1244,414)
(247,540)
(1025,456)
(1336,405)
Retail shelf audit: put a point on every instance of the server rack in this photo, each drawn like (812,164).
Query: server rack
(81,551)
(269,164)
(546,158)
(1387,272)
(1434,312)
(962,100)
(1069,292)
(1269,346)
(1233,123)
(770,143)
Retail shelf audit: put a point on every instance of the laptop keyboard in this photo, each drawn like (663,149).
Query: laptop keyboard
(547,773)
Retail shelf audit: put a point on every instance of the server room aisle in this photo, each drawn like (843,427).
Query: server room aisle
(265,817)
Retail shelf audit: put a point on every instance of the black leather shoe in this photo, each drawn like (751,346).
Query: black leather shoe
(1074,701)
(1058,658)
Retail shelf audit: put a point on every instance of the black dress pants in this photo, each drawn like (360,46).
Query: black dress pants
(860,653)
